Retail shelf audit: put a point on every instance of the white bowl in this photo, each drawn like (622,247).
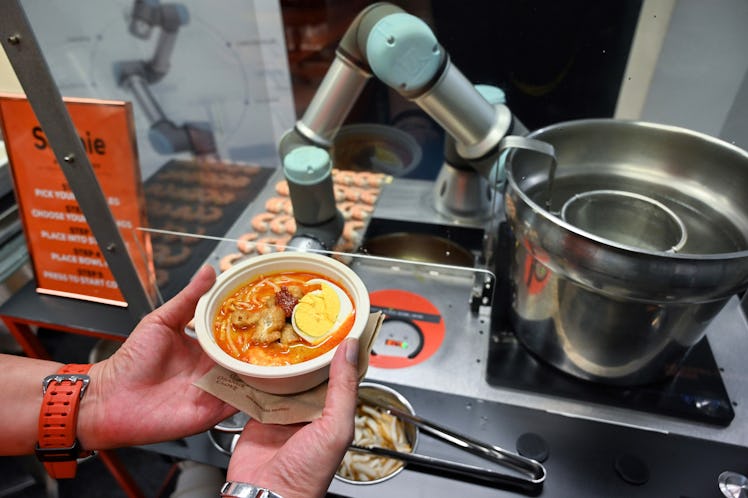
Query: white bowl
(287,379)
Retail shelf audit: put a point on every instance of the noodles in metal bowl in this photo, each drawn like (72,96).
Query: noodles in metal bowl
(376,427)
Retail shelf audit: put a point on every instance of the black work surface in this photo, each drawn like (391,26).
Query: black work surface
(696,392)
(88,317)
(586,458)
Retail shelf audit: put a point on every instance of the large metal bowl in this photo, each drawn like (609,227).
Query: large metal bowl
(610,306)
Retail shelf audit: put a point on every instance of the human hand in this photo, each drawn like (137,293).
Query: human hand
(144,392)
(300,460)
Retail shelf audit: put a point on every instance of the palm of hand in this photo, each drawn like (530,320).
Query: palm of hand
(148,382)
(291,457)
(300,460)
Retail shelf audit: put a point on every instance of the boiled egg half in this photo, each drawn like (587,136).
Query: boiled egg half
(321,312)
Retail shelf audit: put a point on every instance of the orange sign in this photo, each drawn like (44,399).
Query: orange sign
(66,257)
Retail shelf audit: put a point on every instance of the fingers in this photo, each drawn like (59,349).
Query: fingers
(342,389)
(202,280)
(179,310)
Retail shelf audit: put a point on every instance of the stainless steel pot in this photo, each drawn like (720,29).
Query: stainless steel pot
(607,303)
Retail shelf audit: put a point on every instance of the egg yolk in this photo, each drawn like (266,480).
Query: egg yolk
(317,311)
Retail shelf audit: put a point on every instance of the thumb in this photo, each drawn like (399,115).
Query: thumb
(179,310)
(342,389)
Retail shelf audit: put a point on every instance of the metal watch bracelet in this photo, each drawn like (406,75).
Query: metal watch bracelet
(234,489)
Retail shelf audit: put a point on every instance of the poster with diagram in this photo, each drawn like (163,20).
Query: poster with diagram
(205,79)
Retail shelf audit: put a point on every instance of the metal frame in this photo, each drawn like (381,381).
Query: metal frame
(24,53)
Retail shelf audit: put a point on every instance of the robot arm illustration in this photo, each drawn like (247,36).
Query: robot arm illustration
(138,75)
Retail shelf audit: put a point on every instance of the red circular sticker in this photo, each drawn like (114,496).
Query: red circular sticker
(412,331)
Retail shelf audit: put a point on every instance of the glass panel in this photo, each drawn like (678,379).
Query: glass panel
(206,80)
(210,97)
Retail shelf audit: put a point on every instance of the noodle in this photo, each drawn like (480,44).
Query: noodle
(374,427)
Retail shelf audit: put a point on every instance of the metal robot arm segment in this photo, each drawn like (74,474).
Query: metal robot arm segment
(402,51)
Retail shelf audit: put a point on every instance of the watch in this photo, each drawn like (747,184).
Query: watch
(58,446)
(234,489)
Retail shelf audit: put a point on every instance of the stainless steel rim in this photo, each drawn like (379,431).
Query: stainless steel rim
(673,218)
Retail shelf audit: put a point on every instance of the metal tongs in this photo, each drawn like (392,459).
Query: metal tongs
(532,473)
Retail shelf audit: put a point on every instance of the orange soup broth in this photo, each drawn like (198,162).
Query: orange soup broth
(251,297)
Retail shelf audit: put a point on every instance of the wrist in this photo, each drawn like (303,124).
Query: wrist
(90,430)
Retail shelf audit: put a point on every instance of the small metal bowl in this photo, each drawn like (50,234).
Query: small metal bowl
(223,441)
(225,433)
(397,400)
(626,218)
(733,485)
(234,423)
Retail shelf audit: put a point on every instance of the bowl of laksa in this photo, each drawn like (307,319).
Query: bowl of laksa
(276,320)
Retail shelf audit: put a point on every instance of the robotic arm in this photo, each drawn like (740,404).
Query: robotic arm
(401,51)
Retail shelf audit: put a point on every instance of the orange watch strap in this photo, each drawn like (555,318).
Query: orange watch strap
(58,446)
